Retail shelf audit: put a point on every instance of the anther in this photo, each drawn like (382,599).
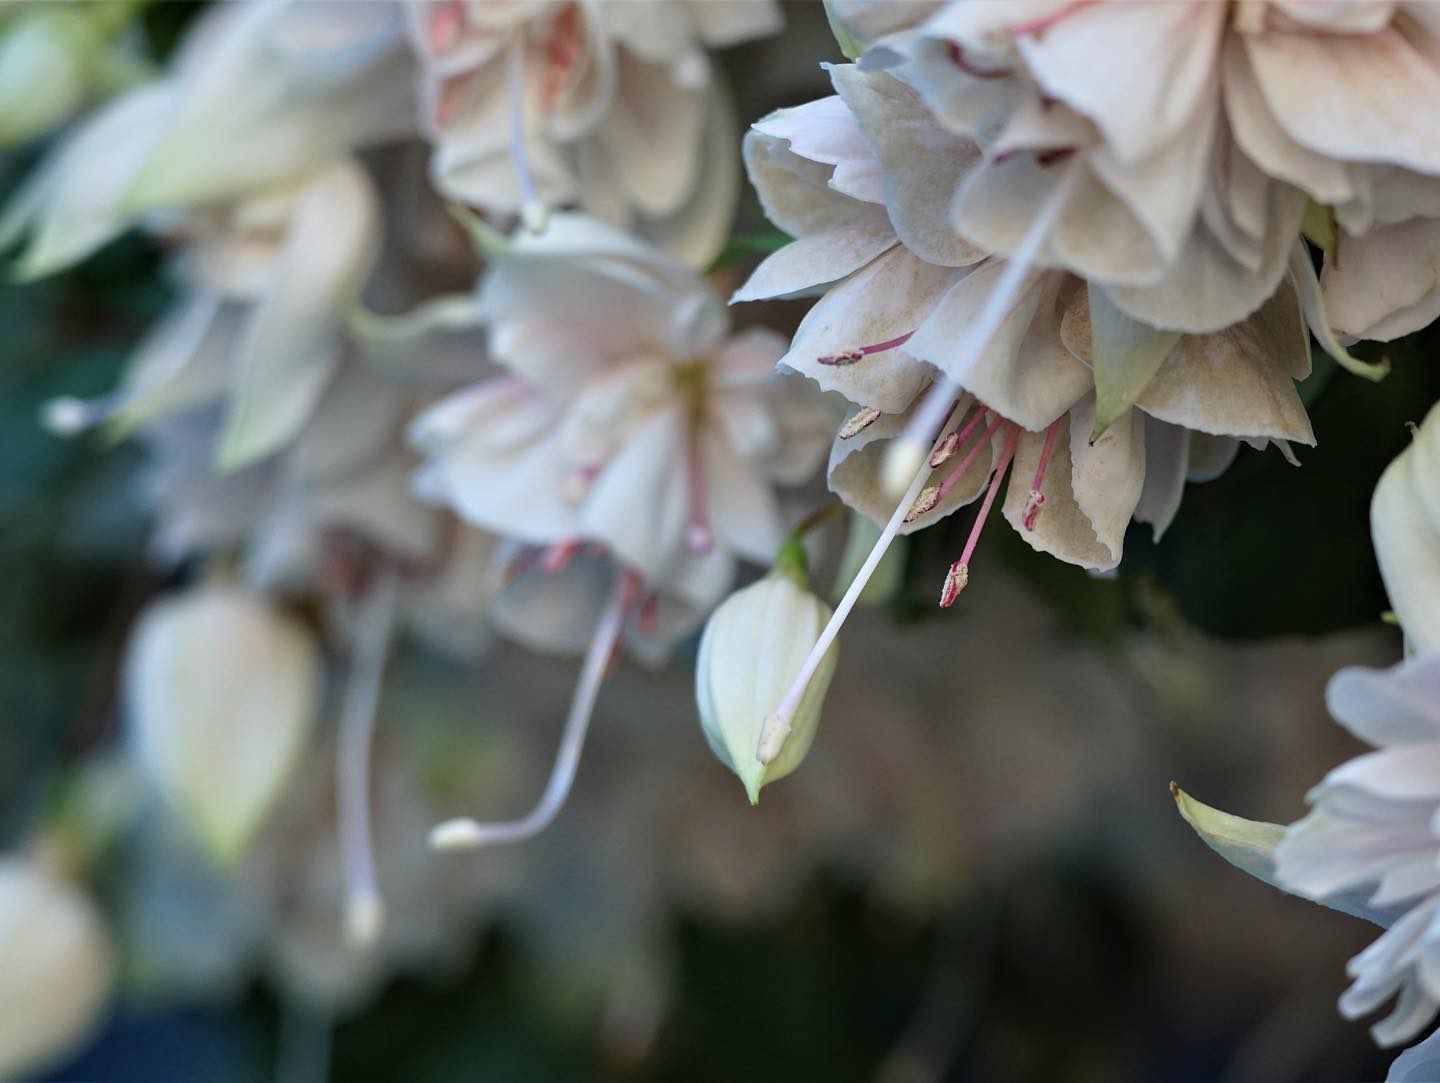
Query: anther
(955,580)
(926,501)
(861,420)
(948,445)
(849,357)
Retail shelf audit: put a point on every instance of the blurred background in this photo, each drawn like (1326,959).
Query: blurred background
(979,873)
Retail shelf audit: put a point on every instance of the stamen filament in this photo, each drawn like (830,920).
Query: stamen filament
(953,441)
(466,833)
(533,212)
(849,357)
(1036,500)
(953,478)
(364,905)
(908,451)
(959,574)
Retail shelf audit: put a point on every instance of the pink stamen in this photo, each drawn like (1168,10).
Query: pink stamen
(1036,500)
(953,478)
(849,357)
(1045,22)
(959,574)
(952,442)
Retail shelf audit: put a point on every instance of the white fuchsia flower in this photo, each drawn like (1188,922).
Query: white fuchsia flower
(1197,130)
(1370,844)
(633,418)
(58,970)
(634,425)
(965,365)
(611,105)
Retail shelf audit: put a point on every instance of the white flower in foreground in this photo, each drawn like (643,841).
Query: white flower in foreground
(612,105)
(752,647)
(1197,129)
(221,694)
(1371,842)
(57,967)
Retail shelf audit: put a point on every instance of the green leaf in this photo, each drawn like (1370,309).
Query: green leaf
(1319,227)
(1126,356)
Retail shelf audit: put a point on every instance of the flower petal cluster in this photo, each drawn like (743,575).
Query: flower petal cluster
(612,106)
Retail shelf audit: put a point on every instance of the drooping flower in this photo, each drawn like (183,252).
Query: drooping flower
(58,966)
(611,105)
(1195,162)
(221,693)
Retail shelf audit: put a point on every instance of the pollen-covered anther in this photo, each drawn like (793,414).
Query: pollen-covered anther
(945,449)
(849,357)
(926,501)
(1033,503)
(955,580)
(861,420)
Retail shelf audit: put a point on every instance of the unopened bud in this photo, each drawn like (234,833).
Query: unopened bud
(754,645)
(221,693)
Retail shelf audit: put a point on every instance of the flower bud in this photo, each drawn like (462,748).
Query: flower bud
(754,645)
(44,78)
(57,970)
(221,692)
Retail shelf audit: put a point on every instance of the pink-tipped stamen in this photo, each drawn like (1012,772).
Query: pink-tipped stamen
(905,452)
(959,574)
(849,357)
(364,905)
(443,28)
(1036,500)
(953,441)
(953,478)
(465,833)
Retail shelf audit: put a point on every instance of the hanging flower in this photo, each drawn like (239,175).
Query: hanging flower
(612,105)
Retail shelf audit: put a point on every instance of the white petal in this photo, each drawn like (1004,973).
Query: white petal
(1385,284)
(1405,524)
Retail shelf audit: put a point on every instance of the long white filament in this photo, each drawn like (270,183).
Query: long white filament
(909,463)
(908,451)
(465,833)
(375,622)
(532,208)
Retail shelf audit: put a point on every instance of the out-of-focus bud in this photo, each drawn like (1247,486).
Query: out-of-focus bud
(753,646)
(45,60)
(221,691)
(57,967)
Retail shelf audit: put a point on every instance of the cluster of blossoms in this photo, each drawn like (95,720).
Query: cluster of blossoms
(1064,243)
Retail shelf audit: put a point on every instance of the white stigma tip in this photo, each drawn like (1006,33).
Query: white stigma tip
(364,918)
(773,736)
(67,416)
(535,216)
(461,834)
(903,460)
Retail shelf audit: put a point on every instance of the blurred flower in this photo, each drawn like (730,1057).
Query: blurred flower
(221,694)
(753,645)
(612,105)
(633,418)
(259,97)
(58,966)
